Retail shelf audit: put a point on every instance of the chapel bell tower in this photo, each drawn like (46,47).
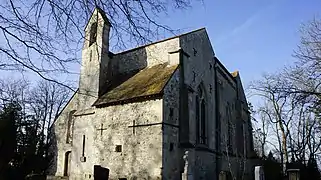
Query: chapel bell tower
(95,61)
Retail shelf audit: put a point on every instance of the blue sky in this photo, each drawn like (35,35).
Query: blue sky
(252,36)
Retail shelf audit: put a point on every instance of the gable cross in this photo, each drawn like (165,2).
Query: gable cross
(102,129)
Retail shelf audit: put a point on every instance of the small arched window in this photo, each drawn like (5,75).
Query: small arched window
(93,33)
(201,132)
(67,163)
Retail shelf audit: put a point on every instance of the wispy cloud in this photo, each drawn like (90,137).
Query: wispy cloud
(238,30)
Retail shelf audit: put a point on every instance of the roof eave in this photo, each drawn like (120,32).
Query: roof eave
(131,100)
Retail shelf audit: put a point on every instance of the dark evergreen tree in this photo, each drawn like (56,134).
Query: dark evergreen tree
(9,115)
(272,168)
(312,168)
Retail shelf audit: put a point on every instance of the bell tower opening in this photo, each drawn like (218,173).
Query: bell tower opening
(93,33)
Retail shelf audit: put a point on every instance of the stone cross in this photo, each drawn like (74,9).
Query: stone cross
(259,173)
(102,129)
(133,126)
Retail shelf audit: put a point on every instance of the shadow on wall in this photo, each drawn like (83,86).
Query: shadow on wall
(123,66)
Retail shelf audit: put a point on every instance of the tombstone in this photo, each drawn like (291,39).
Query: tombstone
(222,175)
(259,173)
(188,169)
(100,173)
(185,172)
(294,174)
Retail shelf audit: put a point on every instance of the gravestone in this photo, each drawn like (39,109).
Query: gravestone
(187,174)
(259,173)
(222,175)
(294,174)
(100,173)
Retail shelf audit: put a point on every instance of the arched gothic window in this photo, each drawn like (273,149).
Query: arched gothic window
(201,132)
(93,33)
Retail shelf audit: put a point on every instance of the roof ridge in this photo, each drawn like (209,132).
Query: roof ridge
(158,41)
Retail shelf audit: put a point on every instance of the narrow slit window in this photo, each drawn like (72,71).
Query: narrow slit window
(83,145)
(93,33)
(90,55)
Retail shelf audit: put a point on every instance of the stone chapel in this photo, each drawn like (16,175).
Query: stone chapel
(168,110)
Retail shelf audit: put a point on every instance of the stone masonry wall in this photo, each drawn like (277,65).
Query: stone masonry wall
(141,154)
(227,99)
(199,71)
(172,154)
(199,68)
(60,147)
(232,159)
(146,57)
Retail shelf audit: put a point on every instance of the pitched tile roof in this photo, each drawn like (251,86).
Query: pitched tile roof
(148,82)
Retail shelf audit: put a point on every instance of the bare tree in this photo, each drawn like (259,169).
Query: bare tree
(303,80)
(40,105)
(13,90)
(295,127)
(292,100)
(261,131)
(46,101)
(275,110)
(44,36)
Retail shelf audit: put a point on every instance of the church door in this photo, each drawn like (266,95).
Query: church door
(67,163)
